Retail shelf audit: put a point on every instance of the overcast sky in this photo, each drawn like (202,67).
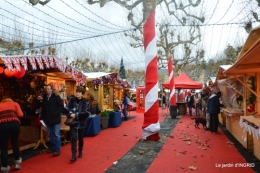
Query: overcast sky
(79,28)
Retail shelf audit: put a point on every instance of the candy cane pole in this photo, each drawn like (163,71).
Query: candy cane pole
(172,86)
(151,125)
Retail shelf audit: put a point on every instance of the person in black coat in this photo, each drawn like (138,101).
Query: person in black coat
(163,101)
(190,103)
(51,115)
(213,106)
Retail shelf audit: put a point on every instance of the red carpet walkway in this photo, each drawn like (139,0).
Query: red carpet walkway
(99,152)
(197,150)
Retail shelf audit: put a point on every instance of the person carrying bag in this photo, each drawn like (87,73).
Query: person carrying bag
(79,109)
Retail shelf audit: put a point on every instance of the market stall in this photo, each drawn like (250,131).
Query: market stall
(140,99)
(23,78)
(243,78)
(220,75)
(107,88)
(183,82)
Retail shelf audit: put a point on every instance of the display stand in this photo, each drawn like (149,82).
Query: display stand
(64,129)
(41,140)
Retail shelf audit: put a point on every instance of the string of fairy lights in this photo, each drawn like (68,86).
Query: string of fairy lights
(81,26)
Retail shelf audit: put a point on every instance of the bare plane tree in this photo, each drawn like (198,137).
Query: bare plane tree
(168,40)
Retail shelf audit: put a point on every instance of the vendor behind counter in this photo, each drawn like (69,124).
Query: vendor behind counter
(29,106)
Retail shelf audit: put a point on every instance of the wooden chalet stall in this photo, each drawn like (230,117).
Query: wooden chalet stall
(223,85)
(101,90)
(94,85)
(244,79)
(140,99)
(106,88)
(23,78)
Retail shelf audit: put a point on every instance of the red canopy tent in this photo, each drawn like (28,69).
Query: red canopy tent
(183,82)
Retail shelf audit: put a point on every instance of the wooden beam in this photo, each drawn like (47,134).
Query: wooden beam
(248,66)
(234,89)
(252,91)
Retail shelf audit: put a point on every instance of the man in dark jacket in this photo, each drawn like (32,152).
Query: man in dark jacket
(213,110)
(51,115)
(190,103)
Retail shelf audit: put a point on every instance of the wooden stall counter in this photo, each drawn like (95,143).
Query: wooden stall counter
(252,126)
(225,112)
(29,133)
(232,124)
(231,112)
(182,108)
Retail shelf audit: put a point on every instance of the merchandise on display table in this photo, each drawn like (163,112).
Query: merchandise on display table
(115,119)
(93,126)
(231,93)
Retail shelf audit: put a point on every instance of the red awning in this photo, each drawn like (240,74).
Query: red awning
(184,82)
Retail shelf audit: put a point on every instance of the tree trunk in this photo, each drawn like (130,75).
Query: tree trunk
(148,5)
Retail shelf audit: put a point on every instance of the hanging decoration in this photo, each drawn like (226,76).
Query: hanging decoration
(75,74)
(23,61)
(64,66)
(32,62)
(16,63)
(68,70)
(112,78)
(19,74)
(251,97)
(83,81)
(1,69)
(8,63)
(8,73)
(39,61)
(250,127)
(78,81)
(250,108)
(51,61)
(58,63)
(46,61)
(20,63)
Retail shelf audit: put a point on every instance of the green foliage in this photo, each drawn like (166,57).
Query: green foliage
(122,70)
(251,97)
(104,114)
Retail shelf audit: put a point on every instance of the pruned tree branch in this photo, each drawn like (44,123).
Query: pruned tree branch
(35,2)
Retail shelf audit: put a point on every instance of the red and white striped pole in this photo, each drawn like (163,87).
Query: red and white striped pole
(151,125)
(172,86)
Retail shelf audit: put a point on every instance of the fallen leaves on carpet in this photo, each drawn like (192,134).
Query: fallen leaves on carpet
(229,142)
(192,168)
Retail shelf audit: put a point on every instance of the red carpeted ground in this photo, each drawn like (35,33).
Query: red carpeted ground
(196,150)
(99,152)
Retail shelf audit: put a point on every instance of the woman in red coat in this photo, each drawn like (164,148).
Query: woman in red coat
(9,129)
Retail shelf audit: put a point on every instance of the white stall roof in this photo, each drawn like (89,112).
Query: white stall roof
(94,75)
